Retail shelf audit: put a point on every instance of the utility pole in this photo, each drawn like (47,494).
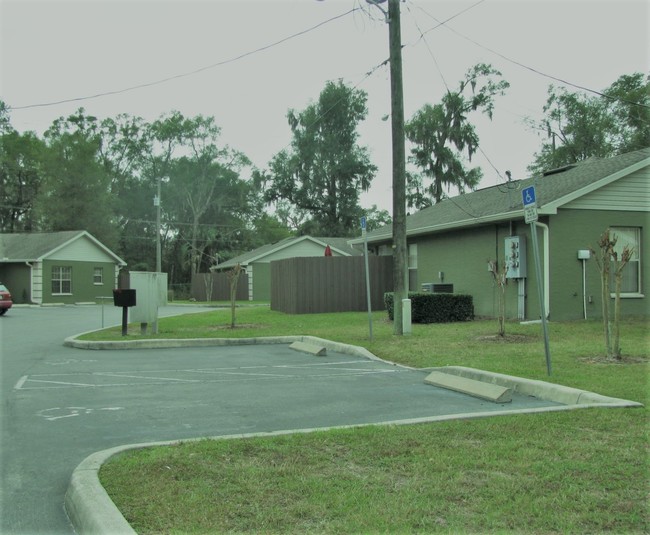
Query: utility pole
(157,202)
(158,249)
(400,251)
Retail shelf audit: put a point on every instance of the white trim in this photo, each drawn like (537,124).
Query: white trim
(95,241)
(37,283)
(291,243)
(249,272)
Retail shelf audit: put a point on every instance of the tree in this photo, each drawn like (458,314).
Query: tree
(501,281)
(629,103)
(205,180)
(75,194)
(267,229)
(325,170)
(578,126)
(21,176)
(440,133)
(376,218)
(606,256)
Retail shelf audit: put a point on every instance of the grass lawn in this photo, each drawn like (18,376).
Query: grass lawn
(584,471)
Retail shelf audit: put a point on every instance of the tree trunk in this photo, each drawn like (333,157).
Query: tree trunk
(233,275)
(605,298)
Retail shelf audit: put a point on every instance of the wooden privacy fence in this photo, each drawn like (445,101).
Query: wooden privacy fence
(216,287)
(329,284)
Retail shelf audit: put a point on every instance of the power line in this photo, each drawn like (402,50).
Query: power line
(191,73)
(524,66)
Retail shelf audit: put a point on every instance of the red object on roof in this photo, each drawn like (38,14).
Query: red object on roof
(328,251)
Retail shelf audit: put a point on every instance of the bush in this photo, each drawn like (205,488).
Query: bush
(435,308)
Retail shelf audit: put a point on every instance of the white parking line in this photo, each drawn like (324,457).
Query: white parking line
(206,375)
(118,374)
(58,383)
(20,382)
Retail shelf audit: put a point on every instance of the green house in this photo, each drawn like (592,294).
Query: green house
(451,244)
(57,267)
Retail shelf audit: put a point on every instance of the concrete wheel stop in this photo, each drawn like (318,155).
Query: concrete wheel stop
(471,387)
(312,349)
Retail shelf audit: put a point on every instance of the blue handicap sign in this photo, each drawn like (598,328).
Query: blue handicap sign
(528,195)
(363,222)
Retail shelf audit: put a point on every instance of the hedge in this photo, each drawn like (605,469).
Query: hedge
(435,308)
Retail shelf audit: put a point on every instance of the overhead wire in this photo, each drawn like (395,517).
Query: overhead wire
(442,77)
(527,67)
(190,73)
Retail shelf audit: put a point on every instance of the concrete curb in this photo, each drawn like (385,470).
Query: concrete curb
(91,510)
(540,389)
(167,343)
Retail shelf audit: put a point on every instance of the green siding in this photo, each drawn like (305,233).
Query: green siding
(463,254)
(262,281)
(572,230)
(16,278)
(83,287)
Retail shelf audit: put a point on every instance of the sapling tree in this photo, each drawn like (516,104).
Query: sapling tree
(501,281)
(609,262)
(233,278)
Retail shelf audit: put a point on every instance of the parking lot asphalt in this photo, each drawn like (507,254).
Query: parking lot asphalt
(265,389)
(65,405)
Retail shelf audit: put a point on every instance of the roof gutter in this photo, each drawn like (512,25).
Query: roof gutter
(516,214)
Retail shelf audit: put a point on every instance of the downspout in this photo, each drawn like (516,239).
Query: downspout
(547,263)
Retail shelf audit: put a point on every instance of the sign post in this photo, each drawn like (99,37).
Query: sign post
(530,216)
(365,255)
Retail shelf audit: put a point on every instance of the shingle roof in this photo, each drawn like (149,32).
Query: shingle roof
(504,201)
(31,246)
(340,244)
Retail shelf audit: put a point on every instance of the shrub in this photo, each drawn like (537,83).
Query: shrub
(435,308)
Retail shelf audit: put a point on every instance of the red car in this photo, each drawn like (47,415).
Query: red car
(5,299)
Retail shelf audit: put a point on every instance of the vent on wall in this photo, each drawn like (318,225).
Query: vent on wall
(430,287)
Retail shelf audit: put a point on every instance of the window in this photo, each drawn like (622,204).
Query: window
(98,276)
(61,280)
(630,237)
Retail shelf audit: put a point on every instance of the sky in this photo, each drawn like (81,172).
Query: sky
(231,59)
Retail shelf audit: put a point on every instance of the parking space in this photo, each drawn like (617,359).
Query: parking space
(269,387)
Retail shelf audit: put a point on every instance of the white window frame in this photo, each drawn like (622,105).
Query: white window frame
(98,276)
(60,276)
(630,236)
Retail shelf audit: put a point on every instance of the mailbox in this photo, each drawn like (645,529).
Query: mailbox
(124,297)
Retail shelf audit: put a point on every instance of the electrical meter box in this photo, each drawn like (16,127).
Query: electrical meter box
(515,252)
